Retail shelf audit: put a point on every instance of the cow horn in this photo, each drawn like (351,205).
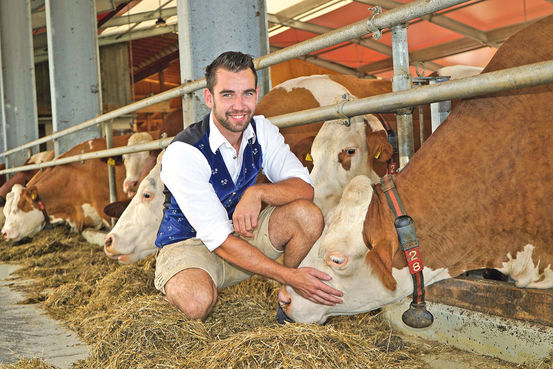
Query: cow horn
(417,316)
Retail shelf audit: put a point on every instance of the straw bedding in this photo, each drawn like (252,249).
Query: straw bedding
(128,324)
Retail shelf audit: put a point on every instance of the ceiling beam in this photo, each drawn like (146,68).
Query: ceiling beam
(301,7)
(440,20)
(41,54)
(369,43)
(140,17)
(157,66)
(496,36)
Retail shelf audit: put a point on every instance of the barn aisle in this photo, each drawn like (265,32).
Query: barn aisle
(26,331)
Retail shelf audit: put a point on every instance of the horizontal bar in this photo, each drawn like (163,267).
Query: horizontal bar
(153,145)
(482,84)
(390,18)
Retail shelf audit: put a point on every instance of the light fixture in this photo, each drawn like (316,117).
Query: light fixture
(160,21)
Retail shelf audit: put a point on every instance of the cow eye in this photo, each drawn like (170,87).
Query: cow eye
(351,151)
(147,195)
(337,260)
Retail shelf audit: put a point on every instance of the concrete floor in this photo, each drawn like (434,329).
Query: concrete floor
(26,330)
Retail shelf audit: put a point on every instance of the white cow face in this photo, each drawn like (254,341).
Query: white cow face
(23,218)
(134,163)
(340,153)
(342,253)
(133,236)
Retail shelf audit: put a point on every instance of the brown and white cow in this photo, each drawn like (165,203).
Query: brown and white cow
(74,193)
(134,162)
(139,164)
(22,178)
(133,236)
(482,202)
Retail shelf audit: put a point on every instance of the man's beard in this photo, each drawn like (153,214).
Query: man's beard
(224,120)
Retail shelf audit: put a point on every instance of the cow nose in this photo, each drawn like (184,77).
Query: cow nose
(108,242)
(5,234)
(284,301)
(129,185)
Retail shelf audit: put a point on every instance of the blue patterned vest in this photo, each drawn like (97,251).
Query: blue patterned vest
(174,226)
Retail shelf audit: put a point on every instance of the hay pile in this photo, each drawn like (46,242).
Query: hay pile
(128,324)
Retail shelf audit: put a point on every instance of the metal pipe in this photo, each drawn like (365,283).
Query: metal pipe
(154,145)
(482,84)
(402,81)
(111,170)
(503,80)
(388,19)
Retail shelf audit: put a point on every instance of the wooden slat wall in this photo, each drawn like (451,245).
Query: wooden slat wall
(494,297)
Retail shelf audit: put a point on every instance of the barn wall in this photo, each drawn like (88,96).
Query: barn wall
(115,76)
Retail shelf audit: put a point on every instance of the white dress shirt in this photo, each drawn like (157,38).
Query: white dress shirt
(186,173)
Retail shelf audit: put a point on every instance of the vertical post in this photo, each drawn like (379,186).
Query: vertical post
(73,59)
(237,25)
(111,169)
(402,81)
(19,114)
(439,111)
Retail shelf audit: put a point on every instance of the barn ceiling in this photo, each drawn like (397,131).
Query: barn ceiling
(465,34)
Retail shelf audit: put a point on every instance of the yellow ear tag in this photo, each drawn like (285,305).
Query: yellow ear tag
(308,157)
(111,161)
(33,196)
(377,155)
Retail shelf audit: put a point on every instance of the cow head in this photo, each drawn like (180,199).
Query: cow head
(134,162)
(360,268)
(23,216)
(341,152)
(133,236)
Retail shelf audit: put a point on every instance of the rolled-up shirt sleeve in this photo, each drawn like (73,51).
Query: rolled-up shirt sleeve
(279,163)
(186,173)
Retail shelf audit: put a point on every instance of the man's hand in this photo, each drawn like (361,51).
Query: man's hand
(308,283)
(246,212)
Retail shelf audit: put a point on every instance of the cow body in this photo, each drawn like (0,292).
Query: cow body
(74,193)
(484,203)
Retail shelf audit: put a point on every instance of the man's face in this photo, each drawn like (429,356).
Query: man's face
(233,100)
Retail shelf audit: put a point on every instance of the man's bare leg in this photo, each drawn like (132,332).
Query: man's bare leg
(193,292)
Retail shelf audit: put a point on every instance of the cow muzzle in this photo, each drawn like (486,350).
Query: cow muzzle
(281,316)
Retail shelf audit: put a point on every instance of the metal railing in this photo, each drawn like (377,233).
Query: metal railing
(482,84)
(388,19)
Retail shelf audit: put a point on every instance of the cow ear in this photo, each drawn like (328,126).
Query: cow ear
(379,147)
(32,192)
(115,209)
(380,259)
(113,160)
(378,238)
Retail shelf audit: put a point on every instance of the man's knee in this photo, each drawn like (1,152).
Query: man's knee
(195,300)
(308,216)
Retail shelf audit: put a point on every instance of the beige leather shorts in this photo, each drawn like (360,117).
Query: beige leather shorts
(192,253)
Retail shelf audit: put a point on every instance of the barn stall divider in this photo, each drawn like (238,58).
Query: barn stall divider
(399,101)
